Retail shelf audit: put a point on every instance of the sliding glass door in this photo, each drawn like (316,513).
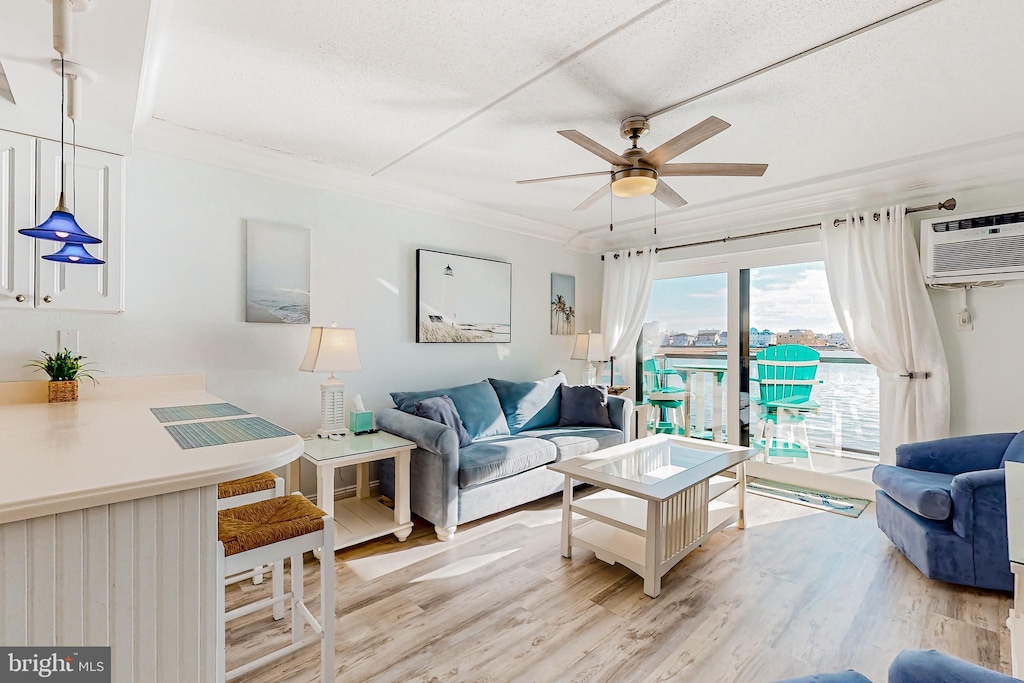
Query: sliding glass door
(708,321)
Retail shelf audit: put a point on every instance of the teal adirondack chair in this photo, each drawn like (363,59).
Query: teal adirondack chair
(668,401)
(786,374)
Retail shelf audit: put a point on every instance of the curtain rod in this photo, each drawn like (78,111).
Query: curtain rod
(947,205)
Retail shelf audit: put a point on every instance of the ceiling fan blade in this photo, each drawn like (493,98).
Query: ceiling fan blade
(712,169)
(594,147)
(562,177)
(589,201)
(706,129)
(667,196)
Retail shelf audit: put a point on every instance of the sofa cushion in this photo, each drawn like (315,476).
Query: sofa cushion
(584,406)
(924,493)
(477,405)
(498,458)
(530,405)
(574,441)
(1015,451)
(440,409)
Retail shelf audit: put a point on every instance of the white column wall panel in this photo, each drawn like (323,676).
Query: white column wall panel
(138,576)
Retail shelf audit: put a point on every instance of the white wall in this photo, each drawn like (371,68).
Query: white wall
(986,372)
(185,275)
(986,369)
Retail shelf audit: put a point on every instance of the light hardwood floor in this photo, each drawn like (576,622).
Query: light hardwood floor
(799,591)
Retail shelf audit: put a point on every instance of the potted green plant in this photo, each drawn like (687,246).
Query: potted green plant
(65,370)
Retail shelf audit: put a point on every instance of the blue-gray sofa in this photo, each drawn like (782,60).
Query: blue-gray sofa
(515,435)
(944,505)
(918,666)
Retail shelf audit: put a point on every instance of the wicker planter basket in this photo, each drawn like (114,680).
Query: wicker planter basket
(63,392)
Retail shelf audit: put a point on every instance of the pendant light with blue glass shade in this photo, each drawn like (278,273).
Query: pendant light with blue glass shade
(61,226)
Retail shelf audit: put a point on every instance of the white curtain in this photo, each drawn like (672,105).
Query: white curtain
(628,276)
(874,275)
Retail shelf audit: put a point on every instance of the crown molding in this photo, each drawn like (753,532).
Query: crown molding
(162,136)
(990,162)
(965,167)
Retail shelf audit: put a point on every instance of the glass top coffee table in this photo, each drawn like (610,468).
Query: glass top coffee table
(659,501)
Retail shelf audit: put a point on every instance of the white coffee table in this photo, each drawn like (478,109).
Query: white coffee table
(659,501)
(362,517)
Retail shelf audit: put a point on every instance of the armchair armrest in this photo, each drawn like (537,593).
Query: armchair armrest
(979,498)
(918,666)
(956,455)
(620,412)
(434,466)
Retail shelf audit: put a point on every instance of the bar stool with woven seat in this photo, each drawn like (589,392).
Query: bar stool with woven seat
(266,532)
(262,486)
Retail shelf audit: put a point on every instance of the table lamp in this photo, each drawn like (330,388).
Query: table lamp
(331,349)
(589,347)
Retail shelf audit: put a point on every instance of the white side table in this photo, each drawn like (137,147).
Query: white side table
(361,518)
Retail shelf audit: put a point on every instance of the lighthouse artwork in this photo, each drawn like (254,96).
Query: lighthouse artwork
(462,299)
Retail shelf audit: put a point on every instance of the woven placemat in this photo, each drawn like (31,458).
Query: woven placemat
(198,412)
(220,432)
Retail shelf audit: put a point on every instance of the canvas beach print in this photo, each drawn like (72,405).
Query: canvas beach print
(462,298)
(276,273)
(563,304)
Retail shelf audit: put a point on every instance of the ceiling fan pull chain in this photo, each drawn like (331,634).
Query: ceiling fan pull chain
(611,223)
(655,217)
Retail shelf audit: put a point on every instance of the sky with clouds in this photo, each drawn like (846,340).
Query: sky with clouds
(793,296)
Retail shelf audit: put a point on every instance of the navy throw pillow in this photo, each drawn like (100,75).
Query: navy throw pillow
(441,409)
(584,406)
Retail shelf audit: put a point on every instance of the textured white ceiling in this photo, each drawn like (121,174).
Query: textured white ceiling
(110,39)
(363,86)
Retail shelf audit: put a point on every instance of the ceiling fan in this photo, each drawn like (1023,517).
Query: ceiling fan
(637,172)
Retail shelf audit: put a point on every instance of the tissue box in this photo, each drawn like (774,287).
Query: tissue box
(360,421)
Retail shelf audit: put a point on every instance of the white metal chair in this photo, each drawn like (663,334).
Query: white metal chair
(266,532)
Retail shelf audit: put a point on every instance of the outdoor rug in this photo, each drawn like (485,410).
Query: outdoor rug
(830,502)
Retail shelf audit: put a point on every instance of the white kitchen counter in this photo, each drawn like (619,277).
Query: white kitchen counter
(108,529)
(108,447)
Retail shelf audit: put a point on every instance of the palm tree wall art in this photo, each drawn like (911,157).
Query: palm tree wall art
(563,304)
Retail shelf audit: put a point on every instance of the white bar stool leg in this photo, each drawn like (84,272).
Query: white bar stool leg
(220,648)
(298,622)
(327,670)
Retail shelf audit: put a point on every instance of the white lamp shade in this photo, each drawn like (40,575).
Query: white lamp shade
(589,347)
(331,349)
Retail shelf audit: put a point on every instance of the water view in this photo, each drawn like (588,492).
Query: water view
(686,326)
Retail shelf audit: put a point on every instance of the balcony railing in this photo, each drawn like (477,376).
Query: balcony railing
(847,423)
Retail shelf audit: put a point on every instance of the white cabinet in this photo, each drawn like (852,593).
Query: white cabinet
(17,210)
(29,189)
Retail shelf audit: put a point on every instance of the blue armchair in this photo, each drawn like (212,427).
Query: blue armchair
(918,666)
(944,506)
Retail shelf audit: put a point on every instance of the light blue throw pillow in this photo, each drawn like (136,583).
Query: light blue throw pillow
(530,405)
(477,405)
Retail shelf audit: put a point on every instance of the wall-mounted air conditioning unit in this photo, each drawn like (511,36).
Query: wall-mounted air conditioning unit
(973,247)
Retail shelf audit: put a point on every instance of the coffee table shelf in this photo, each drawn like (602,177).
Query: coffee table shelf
(660,501)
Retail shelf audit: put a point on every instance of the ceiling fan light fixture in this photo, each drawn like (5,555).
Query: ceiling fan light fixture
(634,182)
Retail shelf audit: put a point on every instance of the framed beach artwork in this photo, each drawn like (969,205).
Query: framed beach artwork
(276,273)
(462,299)
(563,304)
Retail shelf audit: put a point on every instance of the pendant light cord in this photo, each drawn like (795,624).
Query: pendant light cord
(62,84)
(74,166)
